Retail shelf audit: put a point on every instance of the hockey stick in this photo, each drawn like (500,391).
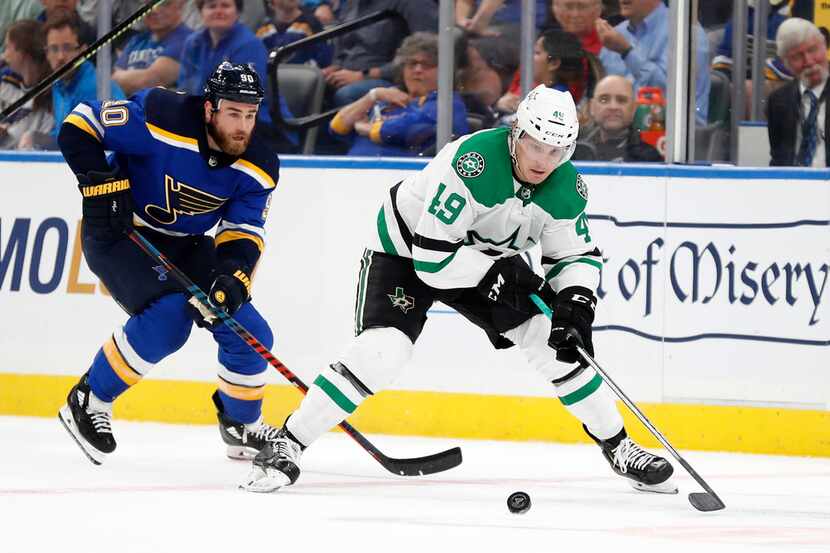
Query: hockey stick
(708,501)
(75,62)
(416,466)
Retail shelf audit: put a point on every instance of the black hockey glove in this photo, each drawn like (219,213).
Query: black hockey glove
(510,282)
(231,288)
(573,314)
(107,204)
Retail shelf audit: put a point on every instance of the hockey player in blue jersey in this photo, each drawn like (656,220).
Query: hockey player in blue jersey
(181,165)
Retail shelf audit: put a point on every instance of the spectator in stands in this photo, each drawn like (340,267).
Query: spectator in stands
(151,58)
(610,135)
(224,38)
(289,23)
(86,32)
(558,62)
(495,17)
(363,59)
(491,65)
(391,121)
(775,72)
(63,43)
(578,17)
(26,57)
(638,49)
(797,112)
(324,10)
(16,10)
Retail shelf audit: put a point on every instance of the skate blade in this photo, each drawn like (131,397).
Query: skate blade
(667,487)
(65,416)
(264,481)
(241,453)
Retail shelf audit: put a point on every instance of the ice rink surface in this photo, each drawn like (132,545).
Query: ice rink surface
(170,489)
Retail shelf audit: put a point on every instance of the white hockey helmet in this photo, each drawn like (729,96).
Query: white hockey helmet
(549,116)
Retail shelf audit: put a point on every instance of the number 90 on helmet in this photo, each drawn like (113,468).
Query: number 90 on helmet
(549,116)
(234,82)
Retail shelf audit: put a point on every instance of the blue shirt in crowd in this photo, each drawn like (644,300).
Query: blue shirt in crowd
(142,50)
(239,45)
(647,63)
(276,35)
(81,88)
(405,131)
(511,12)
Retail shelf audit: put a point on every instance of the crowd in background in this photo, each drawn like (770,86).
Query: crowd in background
(382,80)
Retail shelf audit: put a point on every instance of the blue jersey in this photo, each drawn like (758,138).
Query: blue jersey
(142,50)
(179,185)
(404,131)
(276,35)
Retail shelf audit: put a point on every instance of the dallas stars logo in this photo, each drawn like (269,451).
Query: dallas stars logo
(581,187)
(470,165)
(400,299)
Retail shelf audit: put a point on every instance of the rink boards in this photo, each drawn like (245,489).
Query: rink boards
(713,311)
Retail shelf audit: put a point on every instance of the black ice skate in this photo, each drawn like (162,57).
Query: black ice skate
(88,421)
(276,465)
(244,440)
(643,471)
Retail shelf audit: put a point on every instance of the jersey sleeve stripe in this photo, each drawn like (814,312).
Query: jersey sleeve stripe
(231,235)
(252,229)
(81,123)
(404,230)
(436,245)
(173,139)
(86,112)
(255,173)
(374,132)
(546,260)
(559,267)
(383,233)
(433,267)
(338,126)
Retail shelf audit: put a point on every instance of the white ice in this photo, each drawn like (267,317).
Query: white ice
(170,489)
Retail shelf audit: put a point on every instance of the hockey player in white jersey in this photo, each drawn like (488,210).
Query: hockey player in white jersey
(453,233)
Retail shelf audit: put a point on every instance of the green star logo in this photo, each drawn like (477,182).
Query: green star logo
(400,299)
(470,165)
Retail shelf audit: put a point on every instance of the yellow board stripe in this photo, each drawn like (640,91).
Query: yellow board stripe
(119,364)
(268,181)
(231,235)
(769,430)
(82,124)
(242,392)
(172,136)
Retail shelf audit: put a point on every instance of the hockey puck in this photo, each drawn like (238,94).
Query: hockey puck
(518,503)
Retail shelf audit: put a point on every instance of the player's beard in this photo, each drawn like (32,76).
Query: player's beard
(231,145)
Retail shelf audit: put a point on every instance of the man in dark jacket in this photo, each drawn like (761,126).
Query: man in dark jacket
(610,136)
(797,112)
(364,59)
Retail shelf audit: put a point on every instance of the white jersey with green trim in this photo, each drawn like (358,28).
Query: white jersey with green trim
(466,209)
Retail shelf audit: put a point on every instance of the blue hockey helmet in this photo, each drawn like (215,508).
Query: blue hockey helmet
(234,82)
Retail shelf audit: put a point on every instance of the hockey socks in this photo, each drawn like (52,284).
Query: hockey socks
(335,394)
(582,393)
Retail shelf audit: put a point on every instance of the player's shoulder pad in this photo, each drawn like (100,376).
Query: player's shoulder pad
(563,194)
(262,160)
(171,111)
(483,164)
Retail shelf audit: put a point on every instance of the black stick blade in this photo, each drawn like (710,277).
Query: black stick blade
(421,466)
(706,502)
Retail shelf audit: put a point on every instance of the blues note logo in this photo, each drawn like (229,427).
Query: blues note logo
(181,199)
